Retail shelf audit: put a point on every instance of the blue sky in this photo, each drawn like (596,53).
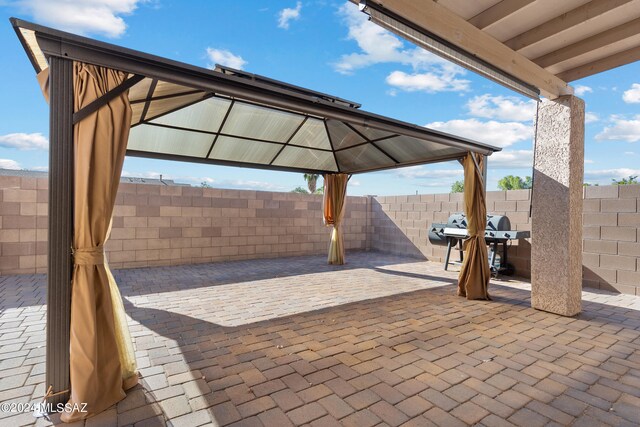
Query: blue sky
(326,46)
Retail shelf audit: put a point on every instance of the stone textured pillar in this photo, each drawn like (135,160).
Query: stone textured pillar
(556,220)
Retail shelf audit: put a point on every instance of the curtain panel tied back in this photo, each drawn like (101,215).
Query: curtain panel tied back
(335,194)
(473,281)
(89,256)
(98,322)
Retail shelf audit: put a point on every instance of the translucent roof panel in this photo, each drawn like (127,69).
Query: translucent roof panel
(342,136)
(162,106)
(140,90)
(242,150)
(407,149)
(306,158)
(206,115)
(363,157)
(156,139)
(167,89)
(252,121)
(136,112)
(231,117)
(31,44)
(371,133)
(312,134)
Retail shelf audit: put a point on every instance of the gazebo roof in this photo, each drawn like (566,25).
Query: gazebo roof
(230,117)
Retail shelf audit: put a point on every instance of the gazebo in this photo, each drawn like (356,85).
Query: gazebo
(107,102)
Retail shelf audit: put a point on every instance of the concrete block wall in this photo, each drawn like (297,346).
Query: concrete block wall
(401,224)
(23,225)
(611,230)
(611,233)
(170,225)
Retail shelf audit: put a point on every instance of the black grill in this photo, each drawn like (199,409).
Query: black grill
(497,233)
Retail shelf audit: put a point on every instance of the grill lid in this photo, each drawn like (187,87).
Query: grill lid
(494,222)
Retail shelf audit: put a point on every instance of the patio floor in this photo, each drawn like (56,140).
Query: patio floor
(382,340)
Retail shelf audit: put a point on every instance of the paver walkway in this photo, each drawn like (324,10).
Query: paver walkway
(382,340)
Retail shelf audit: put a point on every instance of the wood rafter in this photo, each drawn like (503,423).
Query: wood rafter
(498,12)
(580,15)
(603,39)
(616,60)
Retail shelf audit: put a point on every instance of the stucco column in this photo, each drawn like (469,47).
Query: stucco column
(556,219)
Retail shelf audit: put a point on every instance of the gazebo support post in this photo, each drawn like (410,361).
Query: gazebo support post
(556,212)
(60,235)
(485,170)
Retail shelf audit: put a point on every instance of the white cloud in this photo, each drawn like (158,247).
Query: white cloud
(621,130)
(501,134)
(289,14)
(632,96)
(225,57)
(511,159)
(9,164)
(239,184)
(604,176)
(82,16)
(427,82)
(423,172)
(376,45)
(507,108)
(441,178)
(24,141)
(588,162)
(580,90)
(630,153)
(590,117)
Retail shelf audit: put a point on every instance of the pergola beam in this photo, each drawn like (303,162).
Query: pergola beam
(443,23)
(590,44)
(579,16)
(498,12)
(616,60)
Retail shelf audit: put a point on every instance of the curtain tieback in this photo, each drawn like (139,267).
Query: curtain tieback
(89,256)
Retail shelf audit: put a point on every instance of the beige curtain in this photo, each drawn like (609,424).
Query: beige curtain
(98,323)
(473,281)
(335,193)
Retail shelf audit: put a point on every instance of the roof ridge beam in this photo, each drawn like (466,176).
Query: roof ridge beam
(597,41)
(498,12)
(436,19)
(371,143)
(289,139)
(564,22)
(333,149)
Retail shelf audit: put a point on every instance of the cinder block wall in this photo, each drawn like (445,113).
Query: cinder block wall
(611,247)
(401,223)
(611,221)
(23,225)
(170,225)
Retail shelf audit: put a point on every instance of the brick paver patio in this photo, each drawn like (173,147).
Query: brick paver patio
(380,341)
